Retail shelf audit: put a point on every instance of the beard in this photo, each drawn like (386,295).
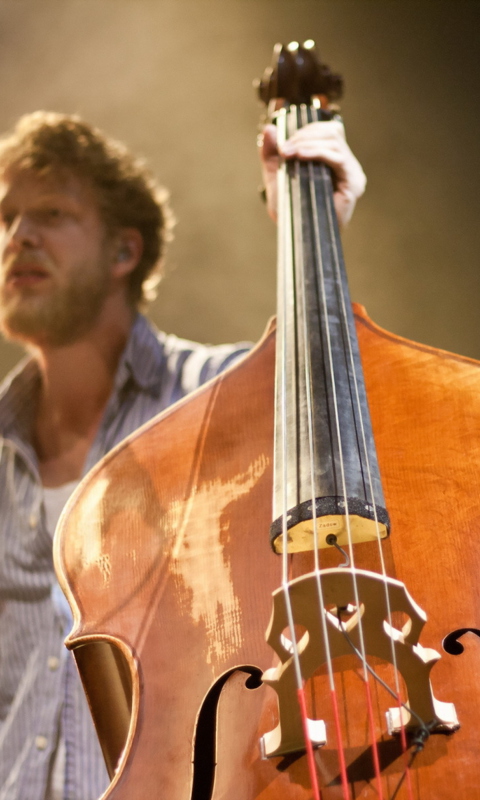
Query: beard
(58,316)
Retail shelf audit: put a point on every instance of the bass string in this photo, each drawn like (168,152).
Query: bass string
(321,272)
(299,268)
(349,354)
(328,198)
(286,271)
(286,285)
(287,203)
(330,368)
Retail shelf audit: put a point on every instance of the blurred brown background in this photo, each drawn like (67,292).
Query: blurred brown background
(173,79)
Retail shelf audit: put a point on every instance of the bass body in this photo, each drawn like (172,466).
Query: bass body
(164,556)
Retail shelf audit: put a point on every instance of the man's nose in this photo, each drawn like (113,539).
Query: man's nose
(22,233)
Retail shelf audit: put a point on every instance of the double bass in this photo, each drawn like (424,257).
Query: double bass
(312,652)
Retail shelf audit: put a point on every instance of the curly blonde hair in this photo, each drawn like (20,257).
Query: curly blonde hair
(128,194)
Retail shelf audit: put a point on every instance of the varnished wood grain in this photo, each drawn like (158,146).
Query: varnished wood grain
(164,550)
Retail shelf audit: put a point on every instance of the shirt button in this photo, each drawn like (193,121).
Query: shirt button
(41,742)
(53,663)
(32,520)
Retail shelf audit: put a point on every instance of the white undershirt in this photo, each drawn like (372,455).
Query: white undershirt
(54,501)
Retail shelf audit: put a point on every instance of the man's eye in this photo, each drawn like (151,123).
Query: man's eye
(48,215)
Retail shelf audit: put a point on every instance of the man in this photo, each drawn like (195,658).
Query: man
(82,230)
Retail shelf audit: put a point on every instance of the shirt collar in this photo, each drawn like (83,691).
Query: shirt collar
(141,361)
(18,396)
(143,358)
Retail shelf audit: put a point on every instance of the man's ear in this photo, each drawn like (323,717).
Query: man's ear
(127,251)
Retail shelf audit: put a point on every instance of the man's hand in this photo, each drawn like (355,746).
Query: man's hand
(321,141)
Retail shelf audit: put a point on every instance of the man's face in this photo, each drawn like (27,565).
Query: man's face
(54,258)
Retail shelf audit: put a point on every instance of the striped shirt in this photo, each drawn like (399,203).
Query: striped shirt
(40,692)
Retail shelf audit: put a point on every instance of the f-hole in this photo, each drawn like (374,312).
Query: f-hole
(452,645)
(107,681)
(204,750)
